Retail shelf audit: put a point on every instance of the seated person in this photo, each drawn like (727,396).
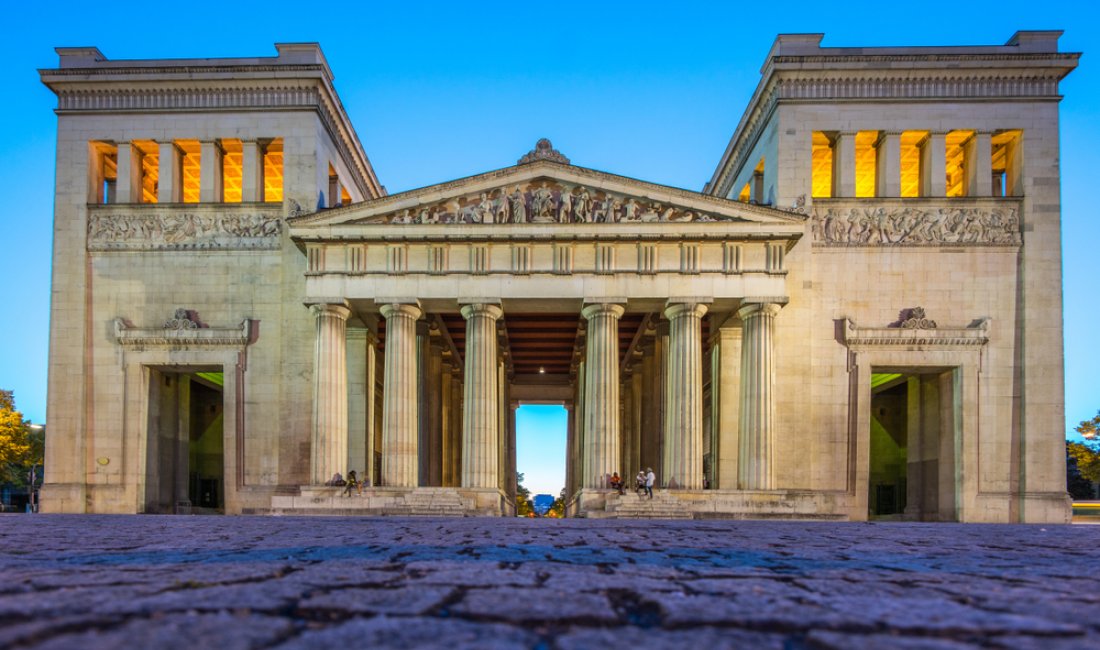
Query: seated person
(616,483)
(352,482)
(336,481)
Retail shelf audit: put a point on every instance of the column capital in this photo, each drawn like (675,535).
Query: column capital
(401,309)
(336,309)
(691,309)
(603,308)
(755,309)
(491,310)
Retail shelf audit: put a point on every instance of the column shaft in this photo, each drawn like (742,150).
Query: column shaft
(480,400)
(726,384)
(979,164)
(757,433)
(888,161)
(683,466)
(601,409)
(844,164)
(330,393)
(252,171)
(399,397)
(933,165)
(170,174)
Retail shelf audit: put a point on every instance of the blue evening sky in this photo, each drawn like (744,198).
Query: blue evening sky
(651,90)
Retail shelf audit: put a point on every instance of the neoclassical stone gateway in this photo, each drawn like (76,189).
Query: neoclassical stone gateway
(859,316)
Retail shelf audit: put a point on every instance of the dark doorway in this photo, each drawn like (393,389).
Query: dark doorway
(912,446)
(185,455)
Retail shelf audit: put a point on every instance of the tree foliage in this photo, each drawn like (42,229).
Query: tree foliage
(1090,429)
(17,449)
(524,507)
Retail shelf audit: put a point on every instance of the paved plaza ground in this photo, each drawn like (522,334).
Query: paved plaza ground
(347,583)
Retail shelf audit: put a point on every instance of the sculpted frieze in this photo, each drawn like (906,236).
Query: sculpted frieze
(547,201)
(182,230)
(916,226)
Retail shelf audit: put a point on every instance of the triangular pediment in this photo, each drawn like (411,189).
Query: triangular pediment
(545,192)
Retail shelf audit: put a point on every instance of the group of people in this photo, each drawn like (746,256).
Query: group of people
(643,482)
(351,482)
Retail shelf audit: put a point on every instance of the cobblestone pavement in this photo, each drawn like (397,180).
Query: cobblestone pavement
(348,583)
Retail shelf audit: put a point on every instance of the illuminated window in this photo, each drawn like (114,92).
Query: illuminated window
(103,160)
(1006,163)
(866,153)
(231,170)
(822,161)
(190,159)
(150,169)
(911,142)
(956,162)
(333,187)
(745,193)
(345,198)
(273,171)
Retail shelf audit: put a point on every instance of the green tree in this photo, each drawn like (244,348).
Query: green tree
(524,508)
(557,509)
(17,450)
(1089,429)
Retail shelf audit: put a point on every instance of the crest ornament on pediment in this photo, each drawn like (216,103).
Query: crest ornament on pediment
(544,151)
(183,319)
(914,319)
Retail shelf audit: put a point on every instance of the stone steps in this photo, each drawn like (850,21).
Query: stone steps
(633,506)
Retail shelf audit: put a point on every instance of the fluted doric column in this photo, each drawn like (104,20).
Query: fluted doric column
(684,397)
(757,396)
(400,420)
(480,416)
(601,387)
(329,449)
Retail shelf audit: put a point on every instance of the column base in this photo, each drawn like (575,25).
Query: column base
(711,504)
(62,498)
(390,501)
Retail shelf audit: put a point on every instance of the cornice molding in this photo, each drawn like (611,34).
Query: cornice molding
(174,337)
(919,338)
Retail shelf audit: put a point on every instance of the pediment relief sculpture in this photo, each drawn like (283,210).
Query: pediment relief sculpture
(547,200)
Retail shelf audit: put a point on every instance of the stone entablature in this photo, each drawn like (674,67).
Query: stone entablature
(157,226)
(916,222)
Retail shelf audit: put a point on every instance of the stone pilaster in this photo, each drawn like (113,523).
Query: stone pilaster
(683,461)
(480,400)
(757,431)
(601,408)
(399,397)
(329,449)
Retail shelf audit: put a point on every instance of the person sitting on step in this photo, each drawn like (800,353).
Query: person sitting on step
(617,483)
(353,482)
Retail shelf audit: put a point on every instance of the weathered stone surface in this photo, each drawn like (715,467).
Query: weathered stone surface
(174,582)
